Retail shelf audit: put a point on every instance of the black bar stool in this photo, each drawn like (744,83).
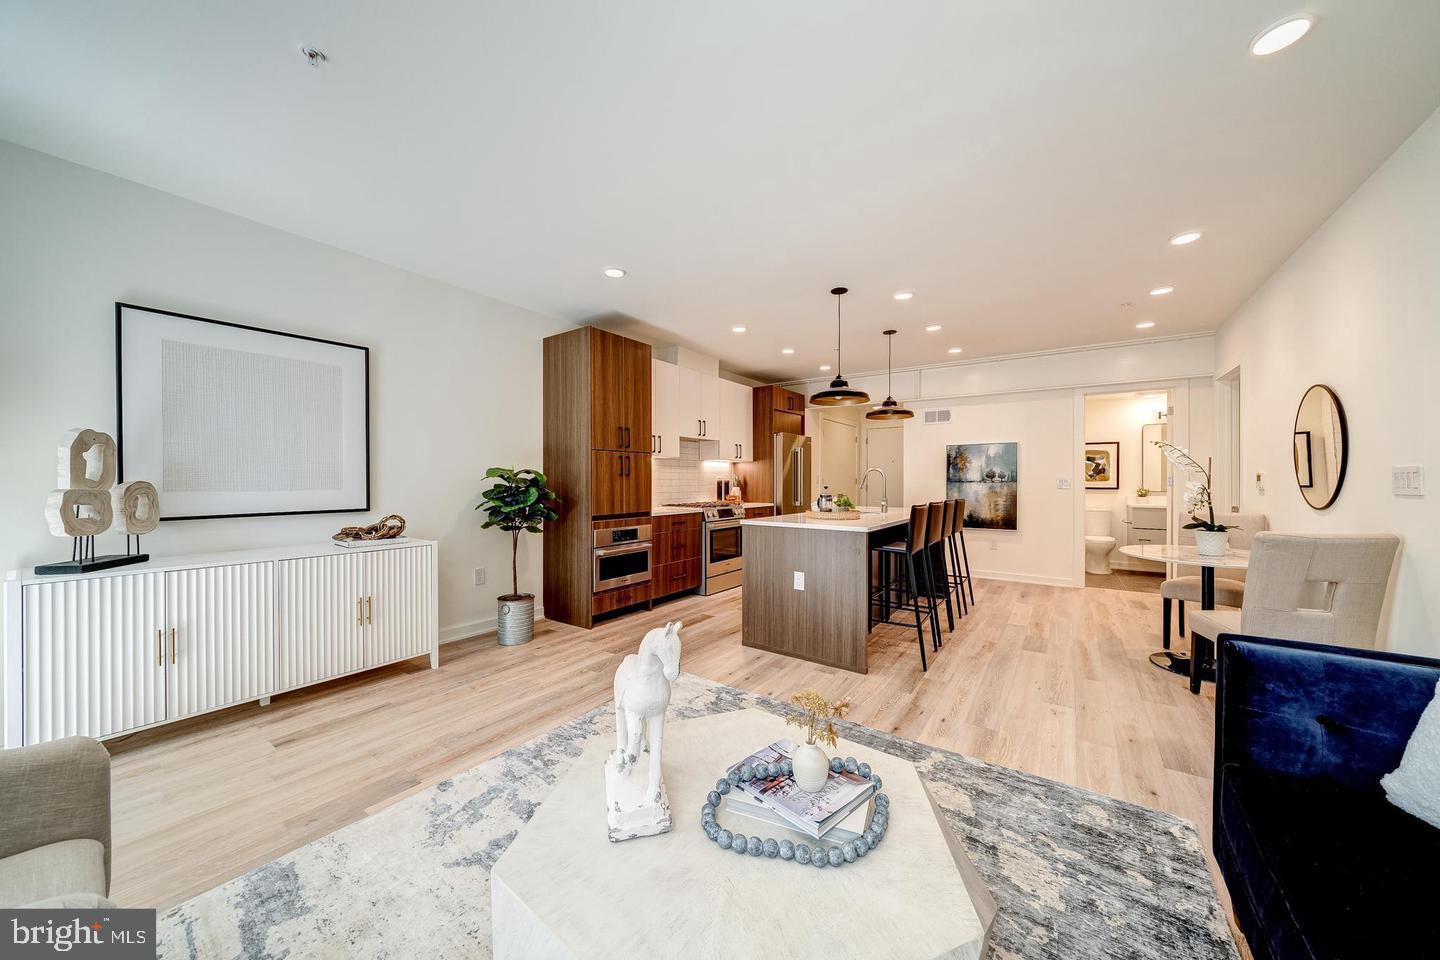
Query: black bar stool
(955,577)
(960,535)
(921,604)
(938,581)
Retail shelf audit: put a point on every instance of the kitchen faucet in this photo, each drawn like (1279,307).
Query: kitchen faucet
(884,501)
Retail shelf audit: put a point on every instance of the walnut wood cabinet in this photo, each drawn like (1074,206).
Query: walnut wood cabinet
(773,410)
(675,553)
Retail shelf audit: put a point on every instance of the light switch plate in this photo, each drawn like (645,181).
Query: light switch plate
(1407,481)
(1062,483)
(799,580)
(479,576)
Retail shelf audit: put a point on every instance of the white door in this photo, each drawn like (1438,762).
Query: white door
(885,450)
(736,422)
(397,604)
(321,613)
(665,408)
(92,656)
(220,636)
(839,457)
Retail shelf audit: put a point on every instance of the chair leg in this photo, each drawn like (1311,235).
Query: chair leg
(931,606)
(942,577)
(1197,650)
(1165,603)
(1182,618)
(919,624)
(969,581)
(957,582)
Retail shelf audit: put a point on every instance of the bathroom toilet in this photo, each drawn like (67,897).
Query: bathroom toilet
(1098,542)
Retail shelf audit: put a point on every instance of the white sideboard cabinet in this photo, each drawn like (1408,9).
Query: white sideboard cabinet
(109,653)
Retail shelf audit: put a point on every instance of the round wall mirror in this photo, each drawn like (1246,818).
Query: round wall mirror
(1321,439)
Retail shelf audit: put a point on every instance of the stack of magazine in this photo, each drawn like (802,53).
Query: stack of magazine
(839,811)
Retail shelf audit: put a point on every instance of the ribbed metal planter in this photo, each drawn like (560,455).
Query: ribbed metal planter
(516,623)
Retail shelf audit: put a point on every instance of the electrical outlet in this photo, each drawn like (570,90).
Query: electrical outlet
(1062,483)
(799,580)
(1407,481)
(479,576)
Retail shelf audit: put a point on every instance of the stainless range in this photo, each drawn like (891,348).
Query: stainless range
(722,556)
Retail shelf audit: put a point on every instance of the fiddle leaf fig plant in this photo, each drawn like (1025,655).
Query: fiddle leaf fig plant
(519,502)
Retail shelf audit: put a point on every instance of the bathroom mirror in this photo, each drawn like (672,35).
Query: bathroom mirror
(1152,459)
(1321,439)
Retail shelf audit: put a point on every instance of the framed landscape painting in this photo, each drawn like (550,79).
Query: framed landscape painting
(1102,466)
(987,477)
(235,421)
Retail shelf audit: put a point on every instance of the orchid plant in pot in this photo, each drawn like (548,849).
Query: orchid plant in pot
(1211,538)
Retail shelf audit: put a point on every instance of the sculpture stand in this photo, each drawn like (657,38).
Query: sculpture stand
(626,807)
(83,559)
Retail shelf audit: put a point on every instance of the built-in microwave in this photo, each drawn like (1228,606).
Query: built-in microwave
(621,556)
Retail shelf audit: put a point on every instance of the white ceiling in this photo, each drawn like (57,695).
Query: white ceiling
(1020,165)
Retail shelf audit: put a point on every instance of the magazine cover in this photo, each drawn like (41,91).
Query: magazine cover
(812,812)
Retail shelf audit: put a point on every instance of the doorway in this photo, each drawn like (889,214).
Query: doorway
(839,456)
(1125,477)
(885,451)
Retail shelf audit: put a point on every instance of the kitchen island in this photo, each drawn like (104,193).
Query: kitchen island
(806,584)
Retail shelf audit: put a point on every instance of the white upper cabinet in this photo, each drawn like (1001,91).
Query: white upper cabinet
(699,405)
(736,423)
(665,408)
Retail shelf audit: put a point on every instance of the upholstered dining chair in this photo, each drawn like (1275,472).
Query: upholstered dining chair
(1319,588)
(1229,590)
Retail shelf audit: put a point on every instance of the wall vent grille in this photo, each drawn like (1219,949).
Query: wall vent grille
(937,416)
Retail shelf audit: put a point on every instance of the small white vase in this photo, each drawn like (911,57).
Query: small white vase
(812,767)
(1211,543)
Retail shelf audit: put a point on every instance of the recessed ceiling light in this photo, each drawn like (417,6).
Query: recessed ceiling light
(1161,291)
(825,366)
(1144,324)
(932,328)
(787,350)
(956,350)
(737,329)
(904,294)
(1280,36)
(614,273)
(1189,236)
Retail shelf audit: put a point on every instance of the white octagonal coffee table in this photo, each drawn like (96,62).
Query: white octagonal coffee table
(563,890)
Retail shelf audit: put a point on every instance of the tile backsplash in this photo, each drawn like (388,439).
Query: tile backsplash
(686,477)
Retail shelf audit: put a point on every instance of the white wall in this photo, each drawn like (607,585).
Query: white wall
(454,376)
(1357,307)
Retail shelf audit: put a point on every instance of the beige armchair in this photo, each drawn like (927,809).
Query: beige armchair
(1318,588)
(1229,590)
(55,825)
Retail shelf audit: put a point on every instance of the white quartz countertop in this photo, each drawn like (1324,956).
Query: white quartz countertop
(867,522)
(673,511)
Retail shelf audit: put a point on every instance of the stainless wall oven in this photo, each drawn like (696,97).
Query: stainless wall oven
(723,554)
(621,556)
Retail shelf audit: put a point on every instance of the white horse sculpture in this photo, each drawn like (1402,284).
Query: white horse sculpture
(642,692)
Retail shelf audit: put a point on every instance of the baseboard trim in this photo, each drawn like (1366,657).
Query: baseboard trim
(477,628)
(1026,578)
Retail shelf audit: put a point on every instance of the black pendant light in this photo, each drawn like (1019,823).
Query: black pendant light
(889,410)
(840,393)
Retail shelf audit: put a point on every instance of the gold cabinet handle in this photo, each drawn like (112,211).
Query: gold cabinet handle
(159,648)
(172,644)
(360,611)
(369,611)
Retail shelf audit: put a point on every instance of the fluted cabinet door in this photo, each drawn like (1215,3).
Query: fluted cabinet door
(90,660)
(398,610)
(321,616)
(222,650)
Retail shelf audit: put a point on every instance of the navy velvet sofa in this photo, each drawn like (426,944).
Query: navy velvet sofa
(1318,863)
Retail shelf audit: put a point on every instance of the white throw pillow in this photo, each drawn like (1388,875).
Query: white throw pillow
(1415,785)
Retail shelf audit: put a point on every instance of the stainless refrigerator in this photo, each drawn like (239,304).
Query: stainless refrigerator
(792,473)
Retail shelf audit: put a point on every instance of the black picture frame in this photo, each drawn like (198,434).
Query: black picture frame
(1112,447)
(121,307)
(1307,481)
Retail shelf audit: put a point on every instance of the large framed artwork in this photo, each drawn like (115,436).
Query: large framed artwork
(987,477)
(229,420)
(1102,466)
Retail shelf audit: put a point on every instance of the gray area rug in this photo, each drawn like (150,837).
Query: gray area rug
(1074,874)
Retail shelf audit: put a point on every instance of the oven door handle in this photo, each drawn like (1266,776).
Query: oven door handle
(723,525)
(620,551)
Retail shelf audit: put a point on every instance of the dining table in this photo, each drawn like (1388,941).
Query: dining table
(1177,661)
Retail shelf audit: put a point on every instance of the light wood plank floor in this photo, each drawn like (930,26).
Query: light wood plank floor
(1048,680)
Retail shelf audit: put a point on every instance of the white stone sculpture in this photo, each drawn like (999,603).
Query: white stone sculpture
(635,800)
